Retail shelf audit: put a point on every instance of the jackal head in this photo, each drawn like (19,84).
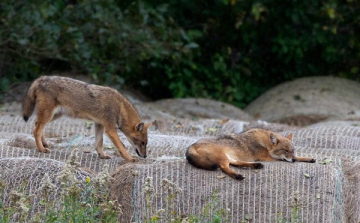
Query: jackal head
(138,138)
(282,148)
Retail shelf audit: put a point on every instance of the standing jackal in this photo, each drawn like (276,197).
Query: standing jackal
(54,96)
(242,149)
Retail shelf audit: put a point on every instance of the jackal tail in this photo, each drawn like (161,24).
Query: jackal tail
(198,160)
(28,104)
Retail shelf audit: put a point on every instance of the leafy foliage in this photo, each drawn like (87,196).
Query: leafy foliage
(246,47)
(95,37)
(229,50)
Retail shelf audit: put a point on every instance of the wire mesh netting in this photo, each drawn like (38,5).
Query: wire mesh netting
(191,108)
(61,127)
(25,175)
(338,142)
(88,160)
(267,195)
(325,192)
(210,127)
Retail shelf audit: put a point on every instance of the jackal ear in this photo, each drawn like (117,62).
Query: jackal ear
(290,136)
(139,127)
(273,139)
(147,125)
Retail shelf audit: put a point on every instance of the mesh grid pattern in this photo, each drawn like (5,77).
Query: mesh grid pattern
(319,196)
(88,160)
(25,174)
(336,183)
(60,127)
(210,127)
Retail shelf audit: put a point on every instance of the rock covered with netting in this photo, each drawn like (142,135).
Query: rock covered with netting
(308,100)
(38,179)
(325,191)
(89,160)
(267,195)
(191,108)
(342,141)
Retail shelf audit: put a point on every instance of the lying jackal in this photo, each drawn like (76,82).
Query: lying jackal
(242,149)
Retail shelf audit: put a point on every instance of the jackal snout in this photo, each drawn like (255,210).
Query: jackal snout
(139,139)
(282,148)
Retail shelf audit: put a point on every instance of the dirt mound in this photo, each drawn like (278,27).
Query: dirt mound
(307,100)
(194,108)
(336,123)
(275,127)
(201,127)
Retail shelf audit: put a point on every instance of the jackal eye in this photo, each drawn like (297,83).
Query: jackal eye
(142,143)
(137,141)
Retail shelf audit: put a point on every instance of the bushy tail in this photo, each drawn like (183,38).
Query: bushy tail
(28,103)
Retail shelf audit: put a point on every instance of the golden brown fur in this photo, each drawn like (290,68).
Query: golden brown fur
(54,96)
(242,149)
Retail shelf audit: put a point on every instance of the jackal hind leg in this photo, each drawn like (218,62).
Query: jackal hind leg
(225,166)
(55,116)
(45,113)
(43,141)
(247,164)
(99,132)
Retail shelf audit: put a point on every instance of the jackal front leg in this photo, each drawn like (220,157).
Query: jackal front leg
(112,133)
(305,159)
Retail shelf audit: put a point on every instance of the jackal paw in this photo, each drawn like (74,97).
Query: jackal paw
(312,161)
(239,177)
(45,150)
(104,157)
(258,166)
(45,145)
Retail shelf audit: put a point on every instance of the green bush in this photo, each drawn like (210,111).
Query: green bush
(229,50)
(246,47)
(94,37)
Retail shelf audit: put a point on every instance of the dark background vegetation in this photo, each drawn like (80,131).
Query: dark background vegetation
(229,50)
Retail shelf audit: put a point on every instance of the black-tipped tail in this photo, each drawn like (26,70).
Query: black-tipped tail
(26,118)
(28,104)
(199,162)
